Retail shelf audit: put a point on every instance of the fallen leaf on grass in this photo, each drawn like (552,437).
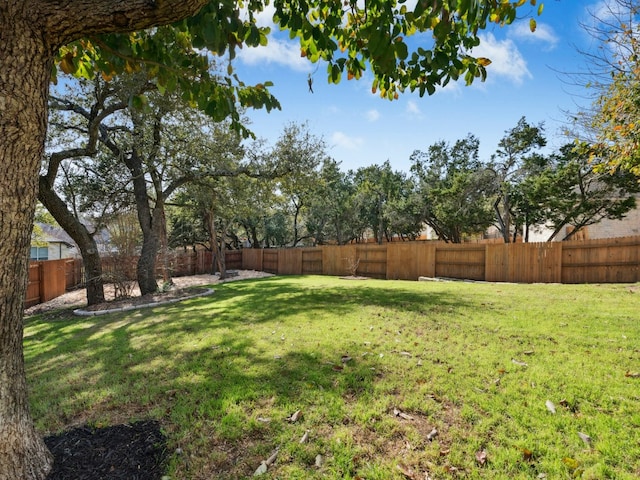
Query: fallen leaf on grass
(518,362)
(572,463)
(550,406)
(297,415)
(585,438)
(337,368)
(264,465)
(632,374)
(406,354)
(529,352)
(261,470)
(527,455)
(319,460)
(481,457)
(263,419)
(273,456)
(407,472)
(345,359)
(400,414)
(305,437)
(432,434)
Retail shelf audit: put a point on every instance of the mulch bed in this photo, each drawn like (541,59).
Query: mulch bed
(134,451)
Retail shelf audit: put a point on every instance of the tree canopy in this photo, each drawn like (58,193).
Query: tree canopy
(176,42)
(612,74)
(419,48)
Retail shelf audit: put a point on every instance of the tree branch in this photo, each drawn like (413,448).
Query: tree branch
(82,18)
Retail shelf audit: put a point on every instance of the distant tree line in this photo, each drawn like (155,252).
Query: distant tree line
(161,175)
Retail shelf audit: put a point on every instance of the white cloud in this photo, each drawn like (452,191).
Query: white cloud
(343,140)
(506,59)
(413,109)
(605,11)
(265,17)
(373,115)
(543,34)
(277,52)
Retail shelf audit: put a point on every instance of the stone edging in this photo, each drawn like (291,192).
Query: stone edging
(89,313)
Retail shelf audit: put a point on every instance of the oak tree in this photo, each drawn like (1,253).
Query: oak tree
(87,38)
(453,189)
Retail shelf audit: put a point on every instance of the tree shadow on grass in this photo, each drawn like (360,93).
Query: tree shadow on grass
(209,369)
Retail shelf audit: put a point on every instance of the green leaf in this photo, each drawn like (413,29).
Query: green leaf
(137,102)
(402,52)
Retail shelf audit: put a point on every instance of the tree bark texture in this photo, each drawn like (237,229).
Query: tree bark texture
(24,81)
(31,31)
(86,243)
(146,269)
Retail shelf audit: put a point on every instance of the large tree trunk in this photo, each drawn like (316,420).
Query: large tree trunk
(25,69)
(85,241)
(217,251)
(30,33)
(146,269)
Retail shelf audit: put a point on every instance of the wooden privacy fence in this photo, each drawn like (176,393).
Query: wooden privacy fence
(51,278)
(180,264)
(588,261)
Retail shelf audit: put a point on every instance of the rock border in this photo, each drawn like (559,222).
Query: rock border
(92,313)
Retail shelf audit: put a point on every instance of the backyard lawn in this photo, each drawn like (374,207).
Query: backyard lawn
(383,379)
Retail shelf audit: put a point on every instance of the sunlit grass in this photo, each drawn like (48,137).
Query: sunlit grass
(475,361)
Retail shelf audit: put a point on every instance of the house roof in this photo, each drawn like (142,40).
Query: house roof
(54,234)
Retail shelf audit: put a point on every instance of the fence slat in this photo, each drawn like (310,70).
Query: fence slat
(614,260)
(609,260)
(312,261)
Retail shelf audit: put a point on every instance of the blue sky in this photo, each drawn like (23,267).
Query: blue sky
(362,129)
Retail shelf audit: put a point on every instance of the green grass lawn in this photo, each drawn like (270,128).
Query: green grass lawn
(477,362)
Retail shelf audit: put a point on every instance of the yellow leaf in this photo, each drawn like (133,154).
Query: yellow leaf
(107,77)
(527,455)
(532,25)
(485,62)
(66,64)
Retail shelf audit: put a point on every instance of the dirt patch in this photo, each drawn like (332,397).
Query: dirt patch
(134,451)
(78,298)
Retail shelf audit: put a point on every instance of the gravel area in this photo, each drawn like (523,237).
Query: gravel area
(78,298)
